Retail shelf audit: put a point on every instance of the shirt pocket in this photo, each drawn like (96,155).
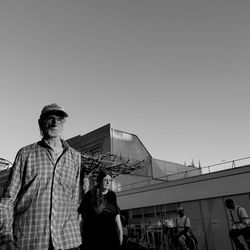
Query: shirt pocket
(31,172)
(68,178)
(30,179)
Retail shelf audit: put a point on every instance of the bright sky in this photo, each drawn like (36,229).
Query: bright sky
(173,72)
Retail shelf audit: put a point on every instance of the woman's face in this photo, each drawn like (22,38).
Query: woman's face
(106,182)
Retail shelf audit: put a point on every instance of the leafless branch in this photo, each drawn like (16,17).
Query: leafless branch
(116,164)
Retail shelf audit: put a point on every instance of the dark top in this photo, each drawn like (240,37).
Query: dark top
(99,228)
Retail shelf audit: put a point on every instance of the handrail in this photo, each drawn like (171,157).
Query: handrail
(184,174)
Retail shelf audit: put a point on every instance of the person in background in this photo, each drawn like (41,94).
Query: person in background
(38,209)
(181,228)
(101,226)
(240,224)
(183,235)
(85,184)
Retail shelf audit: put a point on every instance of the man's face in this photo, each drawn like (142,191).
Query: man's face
(181,213)
(52,126)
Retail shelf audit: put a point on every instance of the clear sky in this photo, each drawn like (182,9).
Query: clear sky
(174,72)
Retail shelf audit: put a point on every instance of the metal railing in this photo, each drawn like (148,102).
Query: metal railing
(189,173)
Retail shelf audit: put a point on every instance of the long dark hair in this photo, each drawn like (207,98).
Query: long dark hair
(98,197)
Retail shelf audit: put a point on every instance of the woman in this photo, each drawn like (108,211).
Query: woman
(101,227)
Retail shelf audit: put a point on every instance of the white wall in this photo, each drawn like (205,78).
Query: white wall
(227,182)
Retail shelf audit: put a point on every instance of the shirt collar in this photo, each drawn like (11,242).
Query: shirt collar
(45,145)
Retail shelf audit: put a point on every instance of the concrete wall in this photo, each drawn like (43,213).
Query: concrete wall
(199,187)
(96,142)
(172,171)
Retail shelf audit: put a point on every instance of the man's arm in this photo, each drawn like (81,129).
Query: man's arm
(186,226)
(243,216)
(76,192)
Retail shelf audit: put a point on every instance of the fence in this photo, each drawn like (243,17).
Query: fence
(189,173)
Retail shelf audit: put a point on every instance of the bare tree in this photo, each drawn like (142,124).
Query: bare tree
(116,164)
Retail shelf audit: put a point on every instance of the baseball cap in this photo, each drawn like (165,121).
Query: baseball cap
(53,109)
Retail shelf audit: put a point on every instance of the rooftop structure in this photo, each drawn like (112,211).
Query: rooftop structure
(109,140)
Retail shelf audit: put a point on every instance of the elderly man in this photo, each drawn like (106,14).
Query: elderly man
(38,210)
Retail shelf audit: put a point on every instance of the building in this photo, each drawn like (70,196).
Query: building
(109,140)
(149,197)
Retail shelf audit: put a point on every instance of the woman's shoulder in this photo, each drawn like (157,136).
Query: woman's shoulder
(111,192)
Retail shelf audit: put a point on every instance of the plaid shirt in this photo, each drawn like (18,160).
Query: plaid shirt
(42,198)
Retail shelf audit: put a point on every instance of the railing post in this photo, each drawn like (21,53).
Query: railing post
(185,175)
(233,164)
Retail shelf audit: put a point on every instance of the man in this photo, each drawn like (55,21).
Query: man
(240,224)
(181,228)
(38,210)
(183,236)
